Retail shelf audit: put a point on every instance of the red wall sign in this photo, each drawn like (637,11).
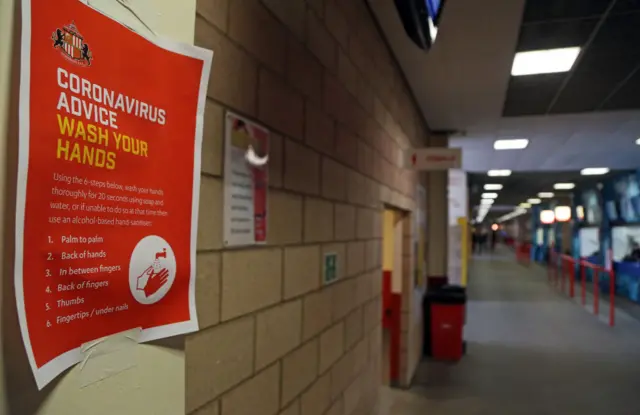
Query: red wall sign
(109,176)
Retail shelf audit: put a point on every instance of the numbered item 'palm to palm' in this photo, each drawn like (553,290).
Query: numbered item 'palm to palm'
(150,281)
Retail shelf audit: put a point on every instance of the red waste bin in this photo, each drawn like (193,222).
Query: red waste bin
(447,322)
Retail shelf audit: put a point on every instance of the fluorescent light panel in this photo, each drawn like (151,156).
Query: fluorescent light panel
(492,187)
(564,186)
(545,195)
(499,173)
(524,205)
(534,201)
(489,195)
(486,202)
(535,62)
(594,171)
(513,144)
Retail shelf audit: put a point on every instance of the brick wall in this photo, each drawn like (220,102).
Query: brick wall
(272,339)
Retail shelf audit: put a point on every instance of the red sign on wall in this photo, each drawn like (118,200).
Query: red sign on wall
(109,176)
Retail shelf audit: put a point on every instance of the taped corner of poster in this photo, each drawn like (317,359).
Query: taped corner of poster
(108,356)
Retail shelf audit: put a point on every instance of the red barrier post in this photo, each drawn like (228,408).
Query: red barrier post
(612,296)
(583,271)
(596,291)
(572,278)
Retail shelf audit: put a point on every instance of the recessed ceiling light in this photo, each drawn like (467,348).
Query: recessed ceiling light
(492,187)
(525,205)
(489,195)
(536,62)
(594,171)
(486,202)
(534,201)
(638,141)
(514,144)
(545,195)
(499,173)
(564,186)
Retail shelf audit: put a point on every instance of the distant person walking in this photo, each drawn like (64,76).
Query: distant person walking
(494,240)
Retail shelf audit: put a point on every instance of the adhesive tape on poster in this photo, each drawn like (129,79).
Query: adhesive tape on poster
(255,160)
(108,356)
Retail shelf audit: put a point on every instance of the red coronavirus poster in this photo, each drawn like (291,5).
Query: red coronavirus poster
(109,176)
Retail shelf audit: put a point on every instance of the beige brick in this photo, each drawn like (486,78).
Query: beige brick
(218,359)
(316,313)
(278,331)
(319,130)
(208,289)
(285,218)
(337,408)
(337,100)
(345,223)
(259,395)
(363,288)
(301,270)
(212,408)
(212,139)
(317,399)
(352,397)
(342,302)
(372,254)
(347,147)
(299,370)
(317,6)
(360,356)
(337,23)
(251,280)
(234,75)
(375,342)
(292,14)
(280,106)
(331,346)
(372,314)
(209,223)
(347,73)
(356,188)
(355,258)
(377,224)
(320,41)
(376,282)
(318,220)
(302,168)
(334,180)
(365,224)
(293,409)
(215,12)
(303,70)
(341,374)
(365,159)
(354,327)
(340,249)
(252,26)
(276,160)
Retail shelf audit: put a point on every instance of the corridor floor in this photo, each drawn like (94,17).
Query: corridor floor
(530,350)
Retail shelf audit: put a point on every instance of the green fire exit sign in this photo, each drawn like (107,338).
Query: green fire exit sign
(330,268)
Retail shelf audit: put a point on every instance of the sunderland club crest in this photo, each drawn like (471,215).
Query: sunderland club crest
(71,45)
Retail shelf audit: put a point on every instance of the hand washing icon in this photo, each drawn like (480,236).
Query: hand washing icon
(152,270)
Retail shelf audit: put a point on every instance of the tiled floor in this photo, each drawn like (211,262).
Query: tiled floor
(530,351)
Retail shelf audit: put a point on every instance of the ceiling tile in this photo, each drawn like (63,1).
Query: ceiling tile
(528,95)
(537,10)
(550,35)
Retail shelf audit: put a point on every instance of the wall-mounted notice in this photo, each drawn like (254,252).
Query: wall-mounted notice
(108,182)
(246,183)
(330,268)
